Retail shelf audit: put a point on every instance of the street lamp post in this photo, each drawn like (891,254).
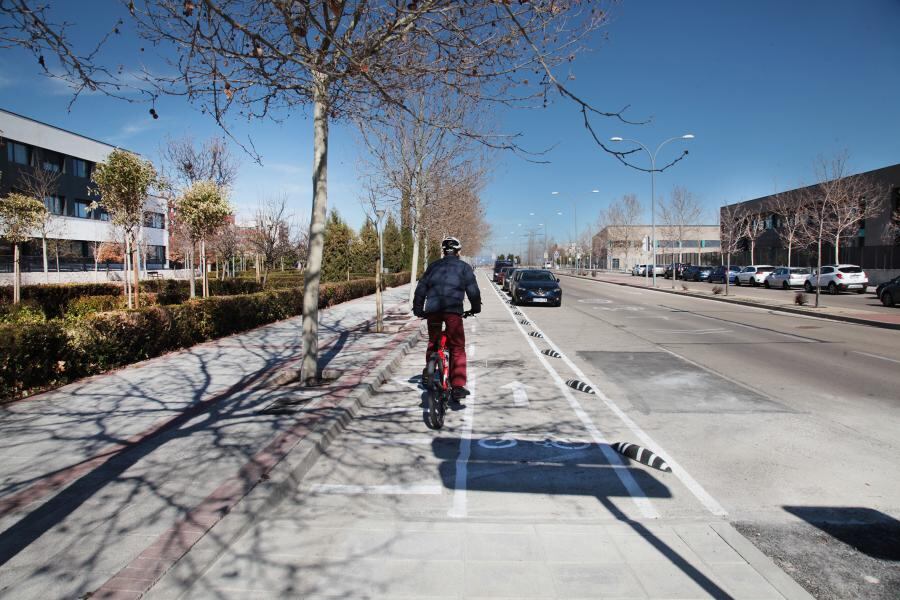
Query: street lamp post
(652,155)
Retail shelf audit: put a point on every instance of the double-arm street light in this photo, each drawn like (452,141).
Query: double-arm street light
(575,243)
(652,155)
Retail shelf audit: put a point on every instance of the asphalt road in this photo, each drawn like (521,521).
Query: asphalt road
(785,420)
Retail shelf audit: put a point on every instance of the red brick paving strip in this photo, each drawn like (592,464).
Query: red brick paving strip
(139,575)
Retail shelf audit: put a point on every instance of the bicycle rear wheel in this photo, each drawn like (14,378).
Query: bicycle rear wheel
(435,394)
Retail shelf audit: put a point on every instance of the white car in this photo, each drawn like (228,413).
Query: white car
(839,278)
(639,270)
(787,277)
(753,275)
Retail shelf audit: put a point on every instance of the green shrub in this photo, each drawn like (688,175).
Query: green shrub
(86,305)
(32,356)
(23,313)
(54,299)
(41,355)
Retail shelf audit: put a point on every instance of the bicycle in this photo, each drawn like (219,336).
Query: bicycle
(437,381)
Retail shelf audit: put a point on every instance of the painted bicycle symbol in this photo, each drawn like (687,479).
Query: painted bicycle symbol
(563,444)
(497,443)
(504,442)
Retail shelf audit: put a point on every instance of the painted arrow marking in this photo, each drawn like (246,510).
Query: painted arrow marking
(520,396)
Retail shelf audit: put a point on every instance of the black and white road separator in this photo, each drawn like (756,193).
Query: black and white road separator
(524,322)
(535,334)
(580,386)
(517,313)
(641,455)
(552,353)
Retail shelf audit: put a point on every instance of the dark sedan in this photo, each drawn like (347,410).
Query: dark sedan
(677,269)
(718,274)
(537,287)
(885,284)
(697,273)
(890,293)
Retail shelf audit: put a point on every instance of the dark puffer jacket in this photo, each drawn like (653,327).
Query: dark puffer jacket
(443,286)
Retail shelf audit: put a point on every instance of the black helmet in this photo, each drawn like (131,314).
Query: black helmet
(451,244)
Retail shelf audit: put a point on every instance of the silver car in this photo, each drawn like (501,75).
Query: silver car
(787,277)
(753,275)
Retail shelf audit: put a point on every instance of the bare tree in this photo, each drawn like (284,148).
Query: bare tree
(731,225)
(622,217)
(679,216)
(42,185)
(752,227)
(270,230)
(185,162)
(834,206)
(792,218)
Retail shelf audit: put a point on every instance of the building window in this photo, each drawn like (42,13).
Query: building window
(79,168)
(17,153)
(710,243)
(79,208)
(99,214)
(615,263)
(154,220)
(50,161)
(156,254)
(54,204)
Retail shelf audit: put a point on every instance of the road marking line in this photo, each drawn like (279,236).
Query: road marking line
(420,489)
(643,503)
(711,504)
(459,509)
(876,356)
(424,441)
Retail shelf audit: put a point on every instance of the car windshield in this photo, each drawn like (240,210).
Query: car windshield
(850,270)
(537,276)
(800,270)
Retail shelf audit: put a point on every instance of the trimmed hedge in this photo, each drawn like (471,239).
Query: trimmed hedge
(42,355)
(54,299)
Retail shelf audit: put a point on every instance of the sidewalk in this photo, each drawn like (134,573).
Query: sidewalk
(887,319)
(132,467)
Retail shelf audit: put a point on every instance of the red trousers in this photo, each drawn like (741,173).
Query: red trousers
(456,343)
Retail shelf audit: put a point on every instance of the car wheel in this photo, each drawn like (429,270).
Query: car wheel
(737,281)
(808,287)
(767,285)
(887,299)
(832,289)
(785,286)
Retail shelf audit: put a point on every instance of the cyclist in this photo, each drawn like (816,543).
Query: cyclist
(439,298)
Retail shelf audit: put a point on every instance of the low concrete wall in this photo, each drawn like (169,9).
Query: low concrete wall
(101,276)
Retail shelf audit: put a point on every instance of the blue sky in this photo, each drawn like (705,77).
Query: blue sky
(765,86)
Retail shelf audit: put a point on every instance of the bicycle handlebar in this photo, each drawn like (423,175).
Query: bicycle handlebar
(468,314)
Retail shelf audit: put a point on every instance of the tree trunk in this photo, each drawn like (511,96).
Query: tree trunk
(189,263)
(126,265)
(312,277)
(46,267)
(135,267)
(727,272)
(414,264)
(789,255)
(205,268)
(379,300)
(837,246)
(17,276)
(752,252)
(818,266)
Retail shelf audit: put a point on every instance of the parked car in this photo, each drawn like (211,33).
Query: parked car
(838,278)
(639,270)
(787,277)
(718,274)
(702,273)
(507,279)
(677,269)
(753,275)
(537,287)
(502,275)
(513,279)
(548,265)
(498,265)
(658,270)
(881,286)
(890,293)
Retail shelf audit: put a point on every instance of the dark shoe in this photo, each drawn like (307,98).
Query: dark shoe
(425,380)
(459,393)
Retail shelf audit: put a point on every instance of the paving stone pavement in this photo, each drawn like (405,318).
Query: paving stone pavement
(96,471)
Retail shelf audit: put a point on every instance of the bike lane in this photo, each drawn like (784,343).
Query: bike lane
(519,495)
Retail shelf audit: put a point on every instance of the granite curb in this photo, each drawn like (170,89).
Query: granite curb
(280,482)
(784,309)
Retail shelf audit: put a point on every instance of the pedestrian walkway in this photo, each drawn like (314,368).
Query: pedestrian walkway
(518,496)
(100,476)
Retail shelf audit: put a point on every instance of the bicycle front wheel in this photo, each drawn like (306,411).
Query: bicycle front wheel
(435,394)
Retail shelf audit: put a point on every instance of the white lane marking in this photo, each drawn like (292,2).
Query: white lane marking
(876,356)
(643,503)
(420,489)
(649,317)
(520,396)
(711,504)
(460,501)
(691,331)
(470,353)
(420,441)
